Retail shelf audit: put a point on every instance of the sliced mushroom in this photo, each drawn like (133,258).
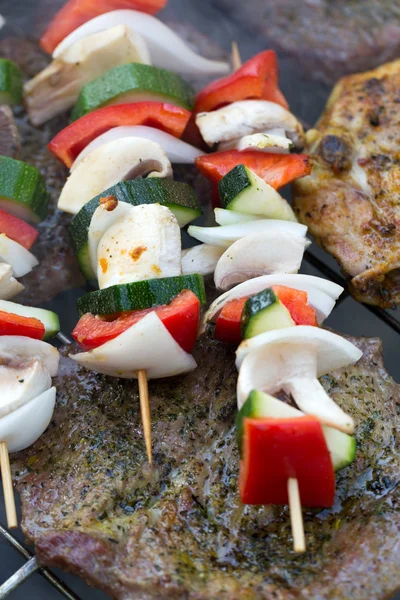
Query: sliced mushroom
(245,118)
(21,382)
(17,350)
(259,254)
(109,164)
(10,143)
(291,360)
(57,87)
(9,286)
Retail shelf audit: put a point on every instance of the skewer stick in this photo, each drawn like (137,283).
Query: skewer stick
(296,517)
(145,410)
(235,57)
(7,487)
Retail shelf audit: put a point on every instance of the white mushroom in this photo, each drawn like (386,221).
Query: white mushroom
(113,162)
(145,243)
(167,50)
(201,259)
(292,360)
(9,286)
(245,118)
(146,345)
(22,427)
(322,293)
(16,350)
(259,254)
(228,234)
(20,382)
(15,255)
(56,88)
(177,150)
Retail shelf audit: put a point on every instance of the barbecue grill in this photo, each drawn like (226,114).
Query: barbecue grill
(307,100)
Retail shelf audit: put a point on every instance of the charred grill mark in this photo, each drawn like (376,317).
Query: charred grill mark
(336,152)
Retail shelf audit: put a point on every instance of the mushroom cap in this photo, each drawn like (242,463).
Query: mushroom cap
(18,348)
(332,350)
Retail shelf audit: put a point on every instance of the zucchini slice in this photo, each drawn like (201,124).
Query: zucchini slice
(11,88)
(23,190)
(130,83)
(140,295)
(47,317)
(264,312)
(179,197)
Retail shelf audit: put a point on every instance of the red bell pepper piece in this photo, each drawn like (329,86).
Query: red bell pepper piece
(16,229)
(275,450)
(275,169)
(228,323)
(257,78)
(180,317)
(70,142)
(77,12)
(11,324)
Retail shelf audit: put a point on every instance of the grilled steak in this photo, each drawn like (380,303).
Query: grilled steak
(351,200)
(327,39)
(92,506)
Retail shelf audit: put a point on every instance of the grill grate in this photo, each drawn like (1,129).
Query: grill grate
(32,566)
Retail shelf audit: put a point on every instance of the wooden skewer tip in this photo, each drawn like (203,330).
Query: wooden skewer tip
(9,499)
(236,60)
(145,411)
(296,517)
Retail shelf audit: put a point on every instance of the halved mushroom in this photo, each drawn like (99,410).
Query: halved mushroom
(291,360)
(22,427)
(274,141)
(113,162)
(259,254)
(146,345)
(245,118)
(322,293)
(16,350)
(56,88)
(226,235)
(10,142)
(21,260)
(177,150)
(20,382)
(145,243)
(9,286)
(201,259)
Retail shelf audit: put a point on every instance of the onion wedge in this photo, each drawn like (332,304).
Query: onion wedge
(20,259)
(9,286)
(201,259)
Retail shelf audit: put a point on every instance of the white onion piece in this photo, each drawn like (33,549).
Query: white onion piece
(176,150)
(165,47)
(227,235)
(17,349)
(264,142)
(259,254)
(20,259)
(21,428)
(9,286)
(146,345)
(231,217)
(322,293)
(201,259)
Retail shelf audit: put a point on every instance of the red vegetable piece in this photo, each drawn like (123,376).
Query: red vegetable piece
(257,78)
(296,301)
(77,12)
(11,324)
(70,142)
(180,317)
(227,325)
(17,230)
(276,449)
(275,169)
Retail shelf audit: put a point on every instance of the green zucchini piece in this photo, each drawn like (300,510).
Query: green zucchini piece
(260,405)
(133,82)
(179,197)
(264,312)
(243,191)
(23,190)
(47,317)
(140,294)
(11,86)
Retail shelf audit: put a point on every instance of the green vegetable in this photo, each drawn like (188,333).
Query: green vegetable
(133,82)
(264,312)
(47,317)
(259,405)
(11,87)
(140,295)
(245,192)
(178,197)
(23,190)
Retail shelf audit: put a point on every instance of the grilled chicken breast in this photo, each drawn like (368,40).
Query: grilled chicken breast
(351,200)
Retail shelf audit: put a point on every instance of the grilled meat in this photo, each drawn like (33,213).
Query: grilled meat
(351,200)
(91,505)
(327,39)
(9,137)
